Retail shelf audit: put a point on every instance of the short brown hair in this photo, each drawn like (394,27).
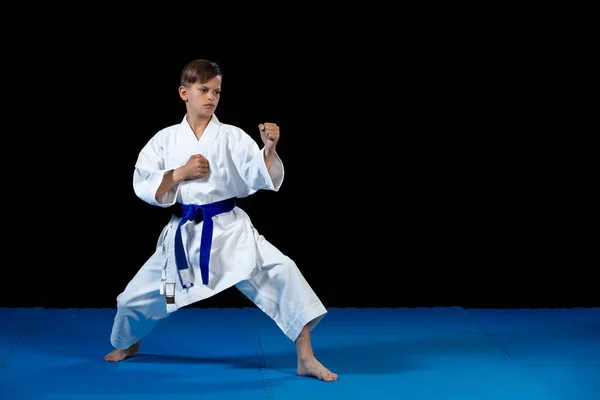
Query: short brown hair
(199,71)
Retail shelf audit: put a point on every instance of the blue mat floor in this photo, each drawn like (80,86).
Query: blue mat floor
(238,353)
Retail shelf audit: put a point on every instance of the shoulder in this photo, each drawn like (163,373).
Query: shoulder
(234,132)
(169,130)
(164,134)
(232,129)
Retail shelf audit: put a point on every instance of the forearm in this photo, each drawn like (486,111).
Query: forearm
(170,180)
(269,154)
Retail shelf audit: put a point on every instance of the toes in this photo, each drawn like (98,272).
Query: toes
(329,376)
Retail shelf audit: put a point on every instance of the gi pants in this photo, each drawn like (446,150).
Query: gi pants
(276,286)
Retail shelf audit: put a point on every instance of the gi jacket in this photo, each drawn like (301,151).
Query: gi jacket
(236,170)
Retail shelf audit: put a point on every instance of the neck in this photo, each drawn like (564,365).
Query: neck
(198,124)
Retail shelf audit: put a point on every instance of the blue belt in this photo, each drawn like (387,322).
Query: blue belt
(194,212)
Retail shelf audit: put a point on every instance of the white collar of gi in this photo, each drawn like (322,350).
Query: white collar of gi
(213,119)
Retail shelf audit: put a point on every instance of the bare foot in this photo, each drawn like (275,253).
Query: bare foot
(313,368)
(308,365)
(119,355)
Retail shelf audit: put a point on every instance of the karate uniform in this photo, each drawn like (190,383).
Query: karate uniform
(239,255)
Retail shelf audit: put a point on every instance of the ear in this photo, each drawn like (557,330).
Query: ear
(183,93)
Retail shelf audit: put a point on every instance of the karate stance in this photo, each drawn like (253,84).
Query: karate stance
(198,168)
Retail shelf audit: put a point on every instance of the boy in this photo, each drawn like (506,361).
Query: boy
(199,168)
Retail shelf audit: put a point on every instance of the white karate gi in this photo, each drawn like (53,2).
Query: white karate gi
(239,255)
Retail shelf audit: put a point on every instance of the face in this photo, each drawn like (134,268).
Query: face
(201,99)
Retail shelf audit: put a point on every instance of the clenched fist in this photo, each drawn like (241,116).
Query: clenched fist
(196,167)
(269,133)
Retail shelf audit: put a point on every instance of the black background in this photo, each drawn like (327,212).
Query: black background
(422,165)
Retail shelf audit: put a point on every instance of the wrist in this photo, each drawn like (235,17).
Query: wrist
(177,175)
(269,151)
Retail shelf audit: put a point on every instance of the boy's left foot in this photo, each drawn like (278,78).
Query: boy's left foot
(313,368)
